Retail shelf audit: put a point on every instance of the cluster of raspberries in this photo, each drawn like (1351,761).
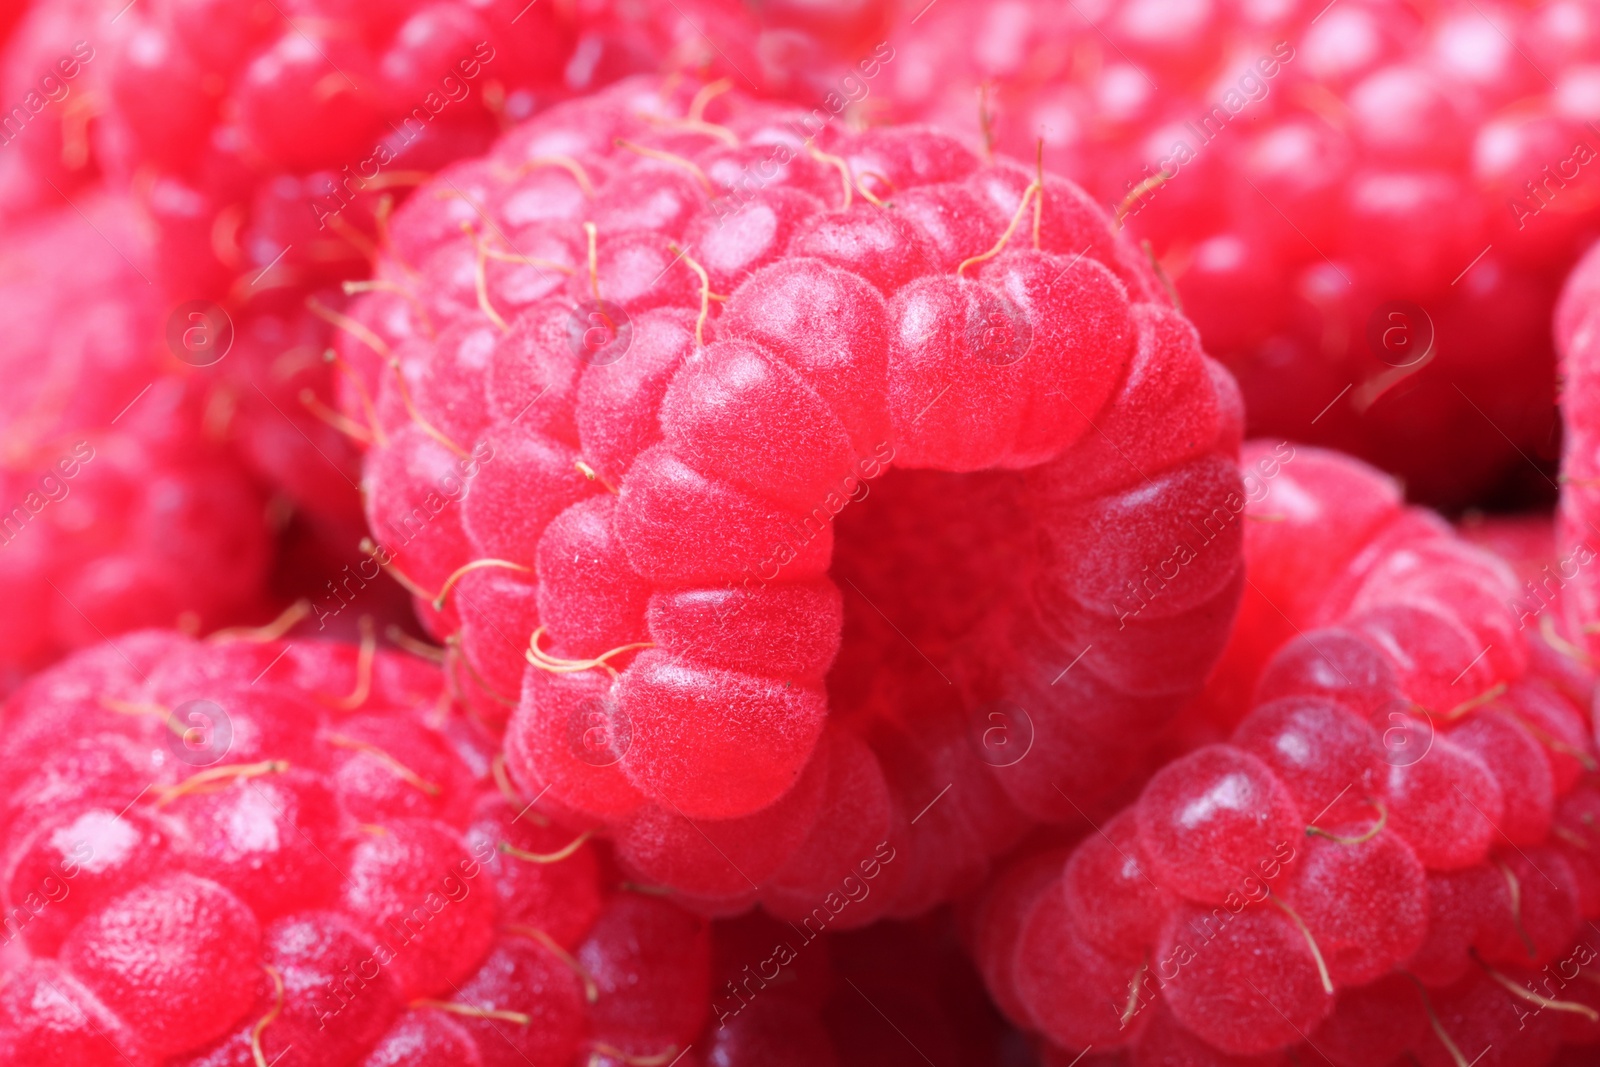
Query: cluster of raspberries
(848,623)
(184,162)
(247,157)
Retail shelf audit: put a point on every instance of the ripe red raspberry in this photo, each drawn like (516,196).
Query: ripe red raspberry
(1366,209)
(117,510)
(248,851)
(1390,854)
(622,374)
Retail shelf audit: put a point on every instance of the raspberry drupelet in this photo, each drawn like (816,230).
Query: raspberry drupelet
(225,853)
(1391,854)
(622,374)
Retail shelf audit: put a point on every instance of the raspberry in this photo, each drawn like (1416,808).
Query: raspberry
(1364,209)
(113,497)
(173,1001)
(1378,862)
(1061,980)
(623,424)
(297,852)
(1262,949)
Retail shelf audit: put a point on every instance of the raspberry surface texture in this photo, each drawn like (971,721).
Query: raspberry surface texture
(248,851)
(117,509)
(1390,855)
(1367,209)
